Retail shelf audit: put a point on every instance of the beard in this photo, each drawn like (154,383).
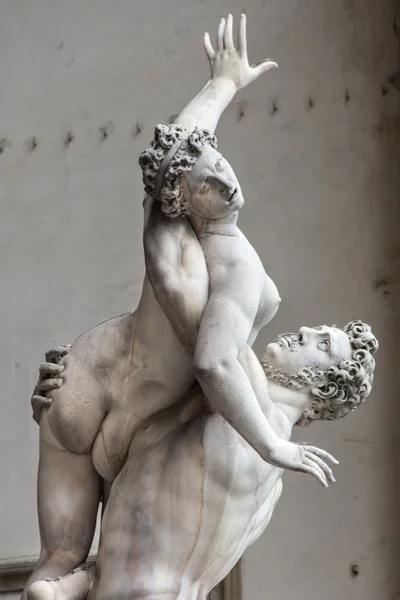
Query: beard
(298,380)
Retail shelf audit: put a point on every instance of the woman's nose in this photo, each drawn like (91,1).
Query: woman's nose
(226,185)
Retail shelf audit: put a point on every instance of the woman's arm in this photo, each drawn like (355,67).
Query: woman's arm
(230,72)
(174,261)
(224,330)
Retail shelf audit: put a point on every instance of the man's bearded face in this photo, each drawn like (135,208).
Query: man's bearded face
(317,348)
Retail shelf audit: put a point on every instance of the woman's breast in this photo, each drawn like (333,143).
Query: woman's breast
(269,304)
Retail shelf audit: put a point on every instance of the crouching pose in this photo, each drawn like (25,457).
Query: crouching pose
(193,494)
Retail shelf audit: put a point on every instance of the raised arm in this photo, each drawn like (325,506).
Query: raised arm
(177,271)
(230,72)
(174,261)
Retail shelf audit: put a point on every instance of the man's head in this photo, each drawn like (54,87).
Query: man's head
(188,175)
(336,365)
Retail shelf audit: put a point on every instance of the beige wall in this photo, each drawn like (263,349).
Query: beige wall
(316,148)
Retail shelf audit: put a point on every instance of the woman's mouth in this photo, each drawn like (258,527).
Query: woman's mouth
(232,196)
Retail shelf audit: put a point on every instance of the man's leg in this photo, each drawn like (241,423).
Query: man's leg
(68,500)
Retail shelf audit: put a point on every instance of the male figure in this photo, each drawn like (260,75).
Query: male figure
(193,495)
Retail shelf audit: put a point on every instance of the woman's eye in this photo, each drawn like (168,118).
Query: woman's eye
(205,188)
(219,165)
(324,345)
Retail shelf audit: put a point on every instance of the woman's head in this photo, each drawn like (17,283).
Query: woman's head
(188,175)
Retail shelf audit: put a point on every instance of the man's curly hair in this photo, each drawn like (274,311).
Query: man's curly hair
(171,196)
(340,389)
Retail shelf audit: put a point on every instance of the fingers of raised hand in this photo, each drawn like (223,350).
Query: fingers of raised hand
(319,452)
(228,37)
(264,66)
(225,41)
(220,35)
(208,47)
(316,460)
(242,41)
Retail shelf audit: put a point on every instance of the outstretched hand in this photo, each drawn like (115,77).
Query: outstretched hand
(304,458)
(231,63)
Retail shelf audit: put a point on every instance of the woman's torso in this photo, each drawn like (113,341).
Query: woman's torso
(234,265)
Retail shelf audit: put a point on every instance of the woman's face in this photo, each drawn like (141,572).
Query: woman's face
(211,187)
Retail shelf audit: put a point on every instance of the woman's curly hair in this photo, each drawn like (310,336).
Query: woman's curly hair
(340,390)
(171,196)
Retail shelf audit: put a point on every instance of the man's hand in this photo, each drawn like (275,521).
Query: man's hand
(49,379)
(303,458)
(230,63)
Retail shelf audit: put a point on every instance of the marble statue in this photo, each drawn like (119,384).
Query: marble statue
(165,414)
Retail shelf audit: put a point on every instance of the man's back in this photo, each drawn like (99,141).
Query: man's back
(183,510)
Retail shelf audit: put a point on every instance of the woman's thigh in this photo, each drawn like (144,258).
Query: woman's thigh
(78,407)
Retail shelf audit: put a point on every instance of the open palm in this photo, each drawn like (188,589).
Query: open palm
(231,63)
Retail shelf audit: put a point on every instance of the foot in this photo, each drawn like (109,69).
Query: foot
(42,590)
